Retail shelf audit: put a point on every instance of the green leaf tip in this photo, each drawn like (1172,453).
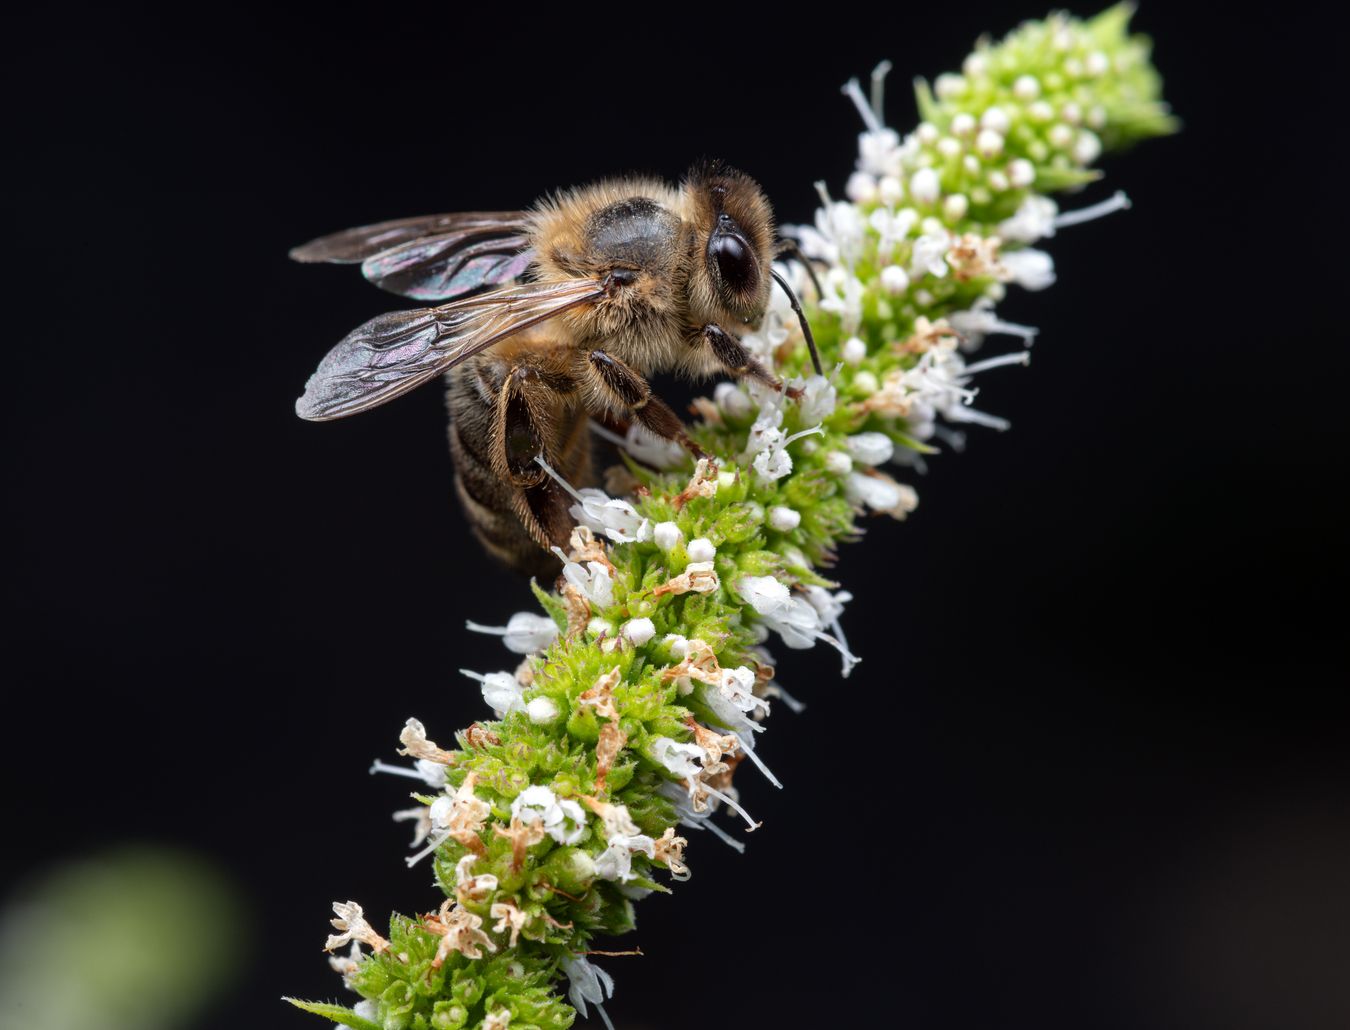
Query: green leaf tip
(339,1014)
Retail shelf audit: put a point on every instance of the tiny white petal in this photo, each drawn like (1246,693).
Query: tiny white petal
(1021,173)
(638,631)
(667,535)
(870,448)
(838,463)
(701,549)
(1026,88)
(995,119)
(988,144)
(541,710)
(894,280)
(784,519)
(924,186)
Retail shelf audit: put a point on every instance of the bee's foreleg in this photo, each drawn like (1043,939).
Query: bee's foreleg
(732,356)
(622,387)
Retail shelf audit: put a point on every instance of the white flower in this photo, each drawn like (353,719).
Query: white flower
(541,710)
(599,512)
(700,819)
(614,517)
(841,225)
(1021,173)
(796,622)
(1030,268)
(818,399)
(768,445)
(765,594)
(861,187)
(651,449)
(524,632)
(566,823)
(784,519)
(1026,88)
(929,256)
(980,321)
(701,549)
(667,535)
(853,351)
(830,606)
(732,400)
(501,691)
(1033,219)
(879,151)
(738,686)
(995,119)
(677,645)
(680,759)
(1087,148)
(882,494)
(843,296)
(593,582)
(870,448)
(588,983)
(367,1009)
(616,861)
(989,144)
(890,190)
(639,631)
(838,463)
(894,280)
(924,186)
(531,804)
(429,772)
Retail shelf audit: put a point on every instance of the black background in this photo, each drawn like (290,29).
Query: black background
(1092,771)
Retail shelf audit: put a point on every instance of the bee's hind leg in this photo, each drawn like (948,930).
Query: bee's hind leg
(625,388)
(535,419)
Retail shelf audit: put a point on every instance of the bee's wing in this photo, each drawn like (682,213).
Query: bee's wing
(394,353)
(434,257)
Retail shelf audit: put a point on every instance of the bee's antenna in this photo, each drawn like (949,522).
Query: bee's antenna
(801,317)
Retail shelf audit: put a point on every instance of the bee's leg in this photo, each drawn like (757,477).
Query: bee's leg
(528,410)
(624,388)
(732,356)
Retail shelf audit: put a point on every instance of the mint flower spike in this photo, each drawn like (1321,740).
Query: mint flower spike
(641,686)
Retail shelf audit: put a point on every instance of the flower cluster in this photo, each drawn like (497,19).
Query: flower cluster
(644,682)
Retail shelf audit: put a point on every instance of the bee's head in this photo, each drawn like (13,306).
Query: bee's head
(734,234)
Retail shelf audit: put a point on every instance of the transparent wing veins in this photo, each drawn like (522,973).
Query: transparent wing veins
(397,352)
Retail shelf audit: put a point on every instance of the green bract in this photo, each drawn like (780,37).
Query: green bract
(622,729)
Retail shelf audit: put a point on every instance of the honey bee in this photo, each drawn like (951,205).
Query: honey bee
(555,315)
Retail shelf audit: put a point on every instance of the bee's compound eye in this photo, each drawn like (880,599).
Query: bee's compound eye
(735,263)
